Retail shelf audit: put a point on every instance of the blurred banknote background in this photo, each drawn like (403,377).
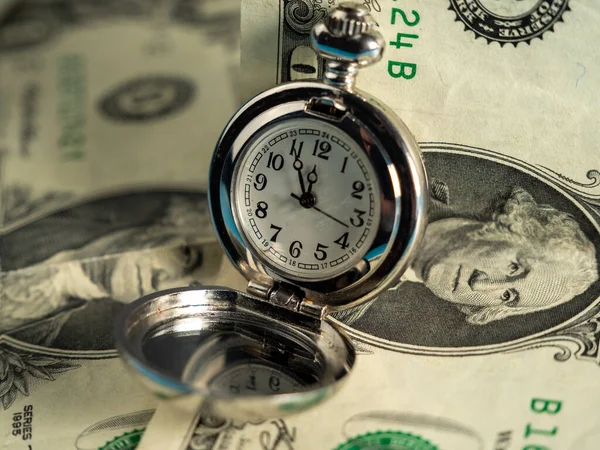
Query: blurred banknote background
(109,111)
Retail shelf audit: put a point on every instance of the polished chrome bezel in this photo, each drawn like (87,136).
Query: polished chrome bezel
(395,157)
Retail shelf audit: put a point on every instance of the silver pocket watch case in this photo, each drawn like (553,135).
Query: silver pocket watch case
(274,350)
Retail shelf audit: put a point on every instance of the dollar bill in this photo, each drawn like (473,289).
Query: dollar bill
(491,339)
(109,112)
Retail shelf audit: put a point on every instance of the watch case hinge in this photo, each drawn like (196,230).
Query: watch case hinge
(285,297)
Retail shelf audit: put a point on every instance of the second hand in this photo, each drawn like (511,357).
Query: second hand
(322,212)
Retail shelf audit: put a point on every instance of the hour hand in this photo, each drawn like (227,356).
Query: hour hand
(312,179)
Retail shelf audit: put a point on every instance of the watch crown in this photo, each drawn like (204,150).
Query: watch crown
(349,19)
(347,39)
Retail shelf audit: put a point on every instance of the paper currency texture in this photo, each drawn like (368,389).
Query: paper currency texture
(109,112)
(491,339)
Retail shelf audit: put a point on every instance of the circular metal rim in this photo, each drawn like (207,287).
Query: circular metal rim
(406,174)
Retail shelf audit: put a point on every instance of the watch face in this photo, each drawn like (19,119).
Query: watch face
(307,198)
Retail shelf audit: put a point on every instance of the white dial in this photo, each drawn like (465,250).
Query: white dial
(307,198)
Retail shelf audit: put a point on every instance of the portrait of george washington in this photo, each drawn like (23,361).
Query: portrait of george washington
(67,274)
(509,257)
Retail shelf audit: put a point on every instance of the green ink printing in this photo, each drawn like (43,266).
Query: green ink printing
(71,110)
(127,441)
(387,440)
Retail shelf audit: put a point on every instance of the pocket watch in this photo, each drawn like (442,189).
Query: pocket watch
(318,194)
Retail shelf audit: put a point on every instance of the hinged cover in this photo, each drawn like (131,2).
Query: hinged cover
(230,351)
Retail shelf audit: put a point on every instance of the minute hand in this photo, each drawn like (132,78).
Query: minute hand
(298,168)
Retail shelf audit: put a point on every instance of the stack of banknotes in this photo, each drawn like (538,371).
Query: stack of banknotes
(109,112)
